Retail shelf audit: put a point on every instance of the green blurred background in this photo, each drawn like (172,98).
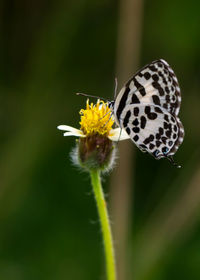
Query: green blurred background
(48,221)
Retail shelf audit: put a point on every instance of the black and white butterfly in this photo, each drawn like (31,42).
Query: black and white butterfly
(147,107)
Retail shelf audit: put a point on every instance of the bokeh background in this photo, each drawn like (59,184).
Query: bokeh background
(49,227)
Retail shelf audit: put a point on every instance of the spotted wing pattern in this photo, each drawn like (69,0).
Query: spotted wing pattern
(147,107)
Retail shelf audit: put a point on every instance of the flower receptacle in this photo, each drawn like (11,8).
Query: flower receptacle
(95,152)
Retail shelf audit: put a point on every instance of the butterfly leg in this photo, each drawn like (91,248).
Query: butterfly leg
(119,135)
(111,114)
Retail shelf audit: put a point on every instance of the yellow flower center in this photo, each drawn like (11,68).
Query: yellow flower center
(96,119)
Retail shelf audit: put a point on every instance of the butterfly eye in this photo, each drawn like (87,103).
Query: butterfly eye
(111,104)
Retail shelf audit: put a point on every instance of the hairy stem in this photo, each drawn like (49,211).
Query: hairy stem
(105,224)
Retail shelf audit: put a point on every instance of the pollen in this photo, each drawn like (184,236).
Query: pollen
(96,119)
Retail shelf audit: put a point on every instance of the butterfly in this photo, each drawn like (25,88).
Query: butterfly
(147,107)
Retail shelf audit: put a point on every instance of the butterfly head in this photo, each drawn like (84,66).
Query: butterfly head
(111,105)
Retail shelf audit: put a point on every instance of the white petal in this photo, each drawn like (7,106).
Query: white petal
(79,134)
(118,134)
(71,131)
(66,128)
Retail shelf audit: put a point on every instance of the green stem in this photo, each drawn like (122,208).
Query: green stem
(105,224)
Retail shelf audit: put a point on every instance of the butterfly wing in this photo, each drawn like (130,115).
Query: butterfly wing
(147,108)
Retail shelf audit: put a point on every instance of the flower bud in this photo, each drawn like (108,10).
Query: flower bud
(96,152)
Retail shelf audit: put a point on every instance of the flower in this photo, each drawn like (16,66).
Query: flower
(96,135)
(96,119)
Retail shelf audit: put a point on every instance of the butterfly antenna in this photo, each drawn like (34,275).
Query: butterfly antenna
(116,85)
(170,158)
(93,96)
